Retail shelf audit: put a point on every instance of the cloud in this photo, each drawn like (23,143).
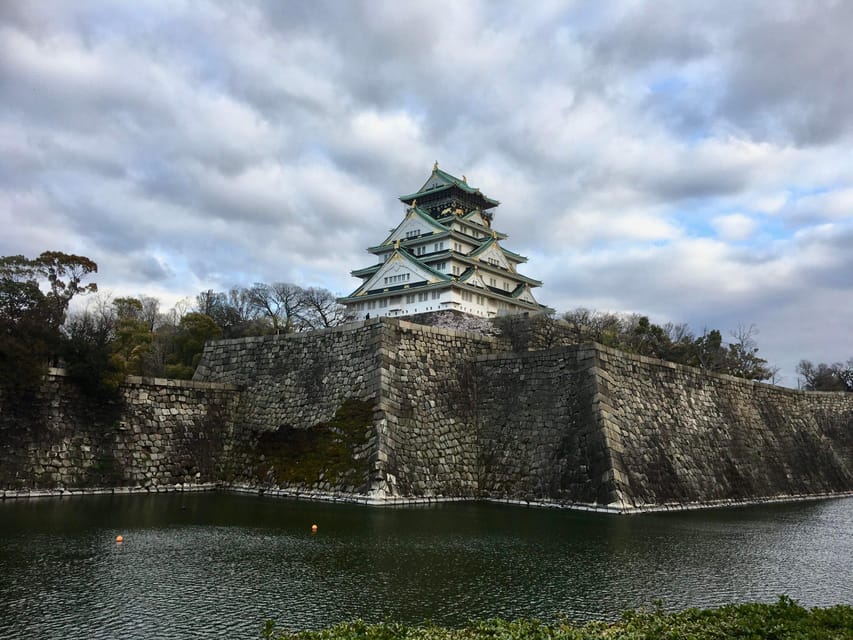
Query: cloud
(735,227)
(689,161)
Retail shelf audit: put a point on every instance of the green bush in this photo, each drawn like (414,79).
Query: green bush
(784,620)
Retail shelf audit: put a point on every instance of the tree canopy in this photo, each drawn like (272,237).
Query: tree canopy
(30,317)
(132,335)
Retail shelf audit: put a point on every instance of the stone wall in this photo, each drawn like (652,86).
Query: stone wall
(678,435)
(386,409)
(594,425)
(428,433)
(306,399)
(153,433)
(422,439)
(540,436)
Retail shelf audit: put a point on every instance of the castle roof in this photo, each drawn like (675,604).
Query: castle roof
(440,181)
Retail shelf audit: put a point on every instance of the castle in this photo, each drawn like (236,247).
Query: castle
(443,255)
(386,411)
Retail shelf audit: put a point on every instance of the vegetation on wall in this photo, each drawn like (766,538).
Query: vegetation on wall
(322,453)
(633,333)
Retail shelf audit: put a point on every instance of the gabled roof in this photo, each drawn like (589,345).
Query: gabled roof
(493,241)
(520,289)
(417,266)
(449,220)
(488,243)
(471,276)
(514,256)
(407,243)
(366,271)
(485,266)
(475,216)
(440,180)
(420,214)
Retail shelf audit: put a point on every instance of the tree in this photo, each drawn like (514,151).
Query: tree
(233,312)
(649,339)
(826,377)
(742,359)
(320,309)
(134,337)
(87,348)
(30,318)
(709,352)
(188,343)
(280,303)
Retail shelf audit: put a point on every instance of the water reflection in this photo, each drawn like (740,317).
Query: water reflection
(218,565)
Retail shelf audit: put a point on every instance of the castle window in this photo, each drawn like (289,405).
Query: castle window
(413,234)
(410,297)
(436,295)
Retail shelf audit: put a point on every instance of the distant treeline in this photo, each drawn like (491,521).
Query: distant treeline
(113,338)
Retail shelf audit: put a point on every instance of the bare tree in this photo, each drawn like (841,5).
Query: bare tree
(320,309)
(280,303)
(150,312)
(826,377)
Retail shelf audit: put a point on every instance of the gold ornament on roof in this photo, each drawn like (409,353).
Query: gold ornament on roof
(397,244)
(464,179)
(459,211)
(494,234)
(435,166)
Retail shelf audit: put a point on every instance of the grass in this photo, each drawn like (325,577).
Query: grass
(784,620)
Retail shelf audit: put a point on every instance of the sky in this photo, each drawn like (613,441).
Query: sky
(689,161)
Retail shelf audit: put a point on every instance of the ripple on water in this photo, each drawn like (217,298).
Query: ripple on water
(218,566)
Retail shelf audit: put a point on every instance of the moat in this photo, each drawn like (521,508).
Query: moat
(218,565)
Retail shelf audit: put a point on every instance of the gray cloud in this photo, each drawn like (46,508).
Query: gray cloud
(186,147)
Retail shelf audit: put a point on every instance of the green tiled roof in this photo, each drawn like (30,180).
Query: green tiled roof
(421,214)
(423,265)
(451,182)
(448,220)
(485,266)
(513,255)
(405,242)
(488,243)
(366,271)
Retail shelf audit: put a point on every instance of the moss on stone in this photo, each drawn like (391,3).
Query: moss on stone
(323,453)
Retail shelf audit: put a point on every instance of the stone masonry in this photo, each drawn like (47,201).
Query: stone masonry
(154,433)
(385,411)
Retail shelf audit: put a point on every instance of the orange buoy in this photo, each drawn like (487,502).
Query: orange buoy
(119,539)
(313,528)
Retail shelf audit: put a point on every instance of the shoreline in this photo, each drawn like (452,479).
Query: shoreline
(399,501)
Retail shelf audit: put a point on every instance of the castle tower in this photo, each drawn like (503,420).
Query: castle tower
(444,255)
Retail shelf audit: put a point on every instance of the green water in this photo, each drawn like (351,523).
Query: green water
(219,565)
